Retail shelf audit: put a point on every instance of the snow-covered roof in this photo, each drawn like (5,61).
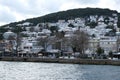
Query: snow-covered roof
(108,39)
(118,33)
(46,31)
(26,23)
(6,35)
(54,51)
(28,44)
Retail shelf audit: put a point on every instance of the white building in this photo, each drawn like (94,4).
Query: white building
(30,45)
(108,44)
(93,45)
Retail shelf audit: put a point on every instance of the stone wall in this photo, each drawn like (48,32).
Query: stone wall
(69,61)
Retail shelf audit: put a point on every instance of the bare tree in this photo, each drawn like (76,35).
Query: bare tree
(59,39)
(32,29)
(11,39)
(79,41)
(43,41)
(18,29)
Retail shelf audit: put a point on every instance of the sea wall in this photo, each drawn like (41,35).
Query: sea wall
(57,60)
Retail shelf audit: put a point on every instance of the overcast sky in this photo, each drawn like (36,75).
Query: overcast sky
(16,10)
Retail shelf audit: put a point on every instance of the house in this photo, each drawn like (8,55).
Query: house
(61,21)
(30,45)
(108,44)
(2,47)
(10,40)
(93,45)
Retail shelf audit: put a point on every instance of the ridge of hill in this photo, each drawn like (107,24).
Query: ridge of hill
(66,15)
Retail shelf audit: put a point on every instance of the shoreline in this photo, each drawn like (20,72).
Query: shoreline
(58,60)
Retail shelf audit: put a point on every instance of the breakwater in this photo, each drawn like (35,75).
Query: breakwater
(57,60)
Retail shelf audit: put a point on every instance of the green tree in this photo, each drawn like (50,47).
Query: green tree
(93,36)
(106,20)
(54,29)
(3,30)
(92,24)
(118,23)
(71,25)
(111,54)
(1,36)
(99,51)
(23,35)
(17,29)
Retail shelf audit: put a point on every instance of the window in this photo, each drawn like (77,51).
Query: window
(25,47)
(30,47)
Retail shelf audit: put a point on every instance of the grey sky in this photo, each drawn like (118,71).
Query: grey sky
(16,10)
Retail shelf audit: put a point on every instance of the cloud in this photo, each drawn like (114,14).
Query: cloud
(71,4)
(111,4)
(86,2)
(40,7)
(15,10)
(6,15)
(117,5)
(20,6)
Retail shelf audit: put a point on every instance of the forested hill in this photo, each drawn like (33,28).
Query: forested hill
(69,14)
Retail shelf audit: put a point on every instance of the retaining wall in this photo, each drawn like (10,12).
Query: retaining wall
(57,60)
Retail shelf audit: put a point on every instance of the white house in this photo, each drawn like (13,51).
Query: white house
(108,44)
(93,45)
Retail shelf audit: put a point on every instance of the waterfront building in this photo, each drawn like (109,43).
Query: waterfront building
(108,44)
(93,45)
(10,40)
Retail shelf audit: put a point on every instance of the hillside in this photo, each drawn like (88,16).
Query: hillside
(69,14)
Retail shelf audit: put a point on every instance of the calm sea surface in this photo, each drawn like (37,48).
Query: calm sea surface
(54,71)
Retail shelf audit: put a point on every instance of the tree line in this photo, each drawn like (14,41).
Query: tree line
(66,15)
